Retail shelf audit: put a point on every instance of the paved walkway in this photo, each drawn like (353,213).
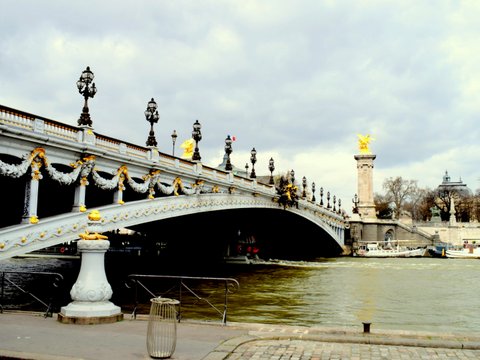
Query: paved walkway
(30,336)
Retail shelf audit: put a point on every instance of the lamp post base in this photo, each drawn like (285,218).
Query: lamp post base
(89,313)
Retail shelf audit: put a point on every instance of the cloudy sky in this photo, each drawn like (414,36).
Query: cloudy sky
(297,80)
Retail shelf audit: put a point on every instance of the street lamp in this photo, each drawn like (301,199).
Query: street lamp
(339,206)
(197,136)
(328,199)
(253,160)
(87,90)
(151,114)
(292,176)
(174,138)
(304,185)
(246,170)
(321,196)
(271,167)
(228,151)
(334,203)
(313,192)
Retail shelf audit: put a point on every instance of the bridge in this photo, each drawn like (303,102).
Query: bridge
(52,174)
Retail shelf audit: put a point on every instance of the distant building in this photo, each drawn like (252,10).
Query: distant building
(457,187)
(454,193)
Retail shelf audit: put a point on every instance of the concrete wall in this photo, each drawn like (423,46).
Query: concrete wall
(455,235)
(375,231)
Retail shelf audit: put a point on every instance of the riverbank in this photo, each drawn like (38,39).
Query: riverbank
(31,336)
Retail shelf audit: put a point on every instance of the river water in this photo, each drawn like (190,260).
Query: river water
(421,294)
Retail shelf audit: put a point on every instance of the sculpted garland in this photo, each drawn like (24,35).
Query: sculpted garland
(82,168)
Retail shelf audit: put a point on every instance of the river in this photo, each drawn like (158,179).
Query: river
(419,294)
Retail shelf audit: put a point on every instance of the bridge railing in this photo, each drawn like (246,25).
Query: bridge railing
(31,122)
(183,287)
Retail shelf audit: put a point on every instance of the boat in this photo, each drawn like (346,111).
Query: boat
(66,250)
(243,251)
(439,249)
(469,251)
(375,250)
(243,259)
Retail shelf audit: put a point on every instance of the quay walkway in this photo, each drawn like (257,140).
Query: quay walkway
(30,336)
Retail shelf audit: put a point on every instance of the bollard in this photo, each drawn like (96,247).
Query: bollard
(162,328)
(366,327)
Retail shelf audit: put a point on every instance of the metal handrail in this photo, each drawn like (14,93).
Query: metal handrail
(231,285)
(56,280)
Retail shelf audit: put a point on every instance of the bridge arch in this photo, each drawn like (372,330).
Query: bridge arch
(67,227)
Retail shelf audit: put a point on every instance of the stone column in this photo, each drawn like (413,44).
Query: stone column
(91,292)
(31,195)
(118,195)
(453,219)
(366,205)
(80,192)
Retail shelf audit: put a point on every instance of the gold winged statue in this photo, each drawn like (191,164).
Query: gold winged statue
(363,141)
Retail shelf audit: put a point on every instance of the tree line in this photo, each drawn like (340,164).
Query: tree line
(402,196)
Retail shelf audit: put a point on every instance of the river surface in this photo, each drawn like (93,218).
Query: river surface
(420,294)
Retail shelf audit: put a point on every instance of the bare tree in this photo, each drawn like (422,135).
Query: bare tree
(398,191)
(415,204)
(464,205)
(425,204)
(382,206)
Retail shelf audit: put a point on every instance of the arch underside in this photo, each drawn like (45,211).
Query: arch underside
(21,239)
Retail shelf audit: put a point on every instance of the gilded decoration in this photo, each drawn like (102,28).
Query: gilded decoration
(363,143)
(85,167)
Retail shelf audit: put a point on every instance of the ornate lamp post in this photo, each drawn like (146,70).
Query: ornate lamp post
(228,151)
(292,176)
(313,192)
(87,88)
(321,196)
(304,185)
(271,167)
(339,206)
(328,199)
(334,203)
(246,170)
(253,160)
(174,138)
(197,136)
(151,114)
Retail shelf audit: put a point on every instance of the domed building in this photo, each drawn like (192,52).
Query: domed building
(457,191)
(457,187)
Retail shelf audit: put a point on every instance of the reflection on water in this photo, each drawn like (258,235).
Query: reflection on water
(427,294)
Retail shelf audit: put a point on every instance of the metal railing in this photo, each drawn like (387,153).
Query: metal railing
(45,284)
(182,284)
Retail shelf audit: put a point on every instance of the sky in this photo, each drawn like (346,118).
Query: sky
(298,80)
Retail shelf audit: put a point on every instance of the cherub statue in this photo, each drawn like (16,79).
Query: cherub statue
(363,141)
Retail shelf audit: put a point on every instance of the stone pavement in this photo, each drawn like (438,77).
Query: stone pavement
(30,336)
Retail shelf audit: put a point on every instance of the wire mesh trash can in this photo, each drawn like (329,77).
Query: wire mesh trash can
(162,328)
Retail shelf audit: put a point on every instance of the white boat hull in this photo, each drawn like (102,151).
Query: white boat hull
(463,254)
(373,250)
(243,259)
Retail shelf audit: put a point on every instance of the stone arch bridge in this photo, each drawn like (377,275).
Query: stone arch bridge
(53,174)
